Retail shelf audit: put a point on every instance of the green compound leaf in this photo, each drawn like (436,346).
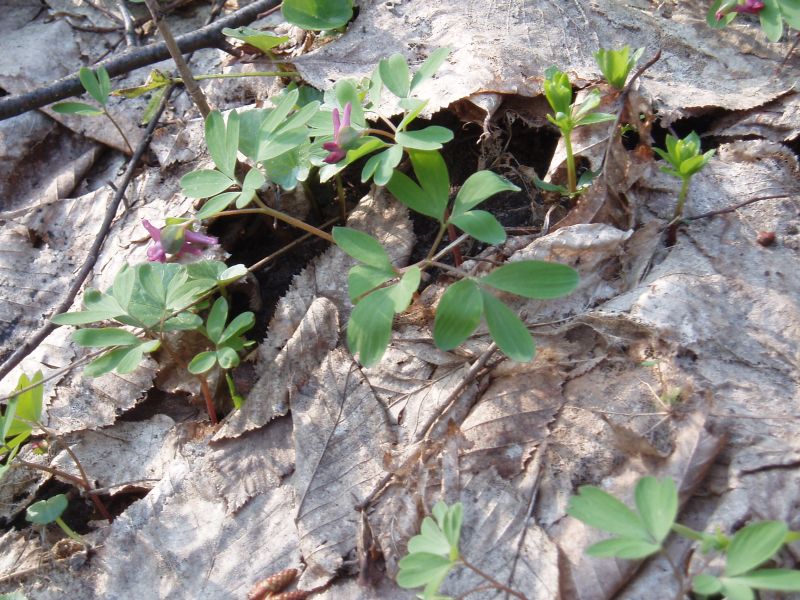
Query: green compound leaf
(395,75)
(28,405)
(507,330)
(481,225)
(363,278)
(627,548)
(205,183)
(46,511)
(76,108)
(657,502)
(370,327)
(262,40)
(790,10)
(617,64)
(362,247)
(450,522)
(317,15)
(227,357)
(430,138)
(431,540)
(423,568)
(599,509)
(753,545)
(431,172)
(103,337)
(780,580)
(458,314)
(533,279)
(735,590)
(97,83)
(381,166)
(277,116)
(105,363)
(771,20)
(478,187)
(414,197)
(130,360)
(708,585)
(216,204)
(223,141)
(216,319)
(202,363)
(240,324)
(430,66)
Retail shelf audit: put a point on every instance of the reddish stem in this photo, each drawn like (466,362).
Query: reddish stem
(212,412)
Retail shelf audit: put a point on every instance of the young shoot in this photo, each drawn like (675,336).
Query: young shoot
(49,511)
(616,65)
(568,115)
(685,159)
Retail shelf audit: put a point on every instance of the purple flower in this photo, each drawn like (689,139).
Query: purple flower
(752,7)
(192,243)
(342,136)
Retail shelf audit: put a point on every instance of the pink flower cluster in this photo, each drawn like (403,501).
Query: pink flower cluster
(193,243)
(336,148)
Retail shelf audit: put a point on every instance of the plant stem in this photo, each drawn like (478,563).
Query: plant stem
(342,199)
(385,134)
(212,412)
(186,74)
(572,180)
(436,242)
(266,210)
(681,198)
(68,530)
(492,580)
(119,129)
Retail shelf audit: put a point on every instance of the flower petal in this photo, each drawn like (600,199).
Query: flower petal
(154,231)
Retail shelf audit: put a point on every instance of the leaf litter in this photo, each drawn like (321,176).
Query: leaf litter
(279,484)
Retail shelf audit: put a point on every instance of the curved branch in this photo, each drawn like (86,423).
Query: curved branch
(205,37)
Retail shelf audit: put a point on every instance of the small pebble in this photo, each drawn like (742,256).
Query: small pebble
(765,238)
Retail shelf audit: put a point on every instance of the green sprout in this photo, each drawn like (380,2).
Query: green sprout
(685,159)
(48,511)
(617,64)
(568,115)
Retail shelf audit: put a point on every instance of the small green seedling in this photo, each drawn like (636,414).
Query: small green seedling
(568,115)
(685,159)
(48,511)
(98,85)
(772,14)
(616,65)
(433,552)
(228,341)
(642,533)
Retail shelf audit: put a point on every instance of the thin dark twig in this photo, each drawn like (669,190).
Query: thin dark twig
(197,95)
(734,207)
(492,580)
(77,282)
(130,27)
(205,37)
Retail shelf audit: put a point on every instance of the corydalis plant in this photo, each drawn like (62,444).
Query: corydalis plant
(685,160)
(772,14)
(568,115)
